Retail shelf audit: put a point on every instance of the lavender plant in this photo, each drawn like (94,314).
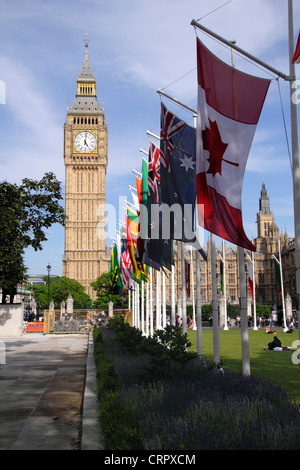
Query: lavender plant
(197,408)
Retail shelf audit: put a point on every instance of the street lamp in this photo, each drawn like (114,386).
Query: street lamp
(49,269)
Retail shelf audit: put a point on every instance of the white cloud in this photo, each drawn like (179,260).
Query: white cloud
(31,145)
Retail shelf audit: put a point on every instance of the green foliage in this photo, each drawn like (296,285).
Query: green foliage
(167,346)
(263,310)
(25,212)
(60,288)
(206,311)
(104,294)
(120,430)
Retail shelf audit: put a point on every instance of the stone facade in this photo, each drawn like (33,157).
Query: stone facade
(85,158)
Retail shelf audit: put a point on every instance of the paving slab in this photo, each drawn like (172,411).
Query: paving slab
(43,385)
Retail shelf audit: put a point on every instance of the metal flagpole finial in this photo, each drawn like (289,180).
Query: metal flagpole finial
(86,40)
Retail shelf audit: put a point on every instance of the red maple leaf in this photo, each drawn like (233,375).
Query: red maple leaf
(213,143)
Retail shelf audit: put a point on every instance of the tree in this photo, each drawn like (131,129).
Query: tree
(25,212)
(60,288)
(104,293)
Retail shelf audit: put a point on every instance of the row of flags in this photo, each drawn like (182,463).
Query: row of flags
(196,171)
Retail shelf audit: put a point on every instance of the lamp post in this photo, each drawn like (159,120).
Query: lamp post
(49,269)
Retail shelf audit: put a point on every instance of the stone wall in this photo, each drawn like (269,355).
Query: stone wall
(11,319)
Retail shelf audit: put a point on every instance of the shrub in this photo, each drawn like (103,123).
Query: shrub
(120,430)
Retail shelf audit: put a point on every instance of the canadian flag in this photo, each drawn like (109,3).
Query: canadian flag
(229,106)
(296,57)
(250,276)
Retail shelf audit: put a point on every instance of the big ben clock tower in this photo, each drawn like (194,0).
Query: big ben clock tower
(85,158)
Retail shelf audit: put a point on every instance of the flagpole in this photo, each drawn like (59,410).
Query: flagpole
(183,290)
(282,287)
(160,92)
(243,313)
(254,295)
(198,279)
(129,295)
(137,305)
(133,303)
(142,307)
(193,295)
(158,306)
(147,309)
(151,302)
(214,301)
(232,45)
(295,159)
(198,305)
(164,299)
(173,312)
(224,283)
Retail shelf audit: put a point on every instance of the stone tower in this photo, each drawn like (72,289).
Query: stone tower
(85,159)
(265,217)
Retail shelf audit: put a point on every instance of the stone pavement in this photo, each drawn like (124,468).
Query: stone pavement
(48,393)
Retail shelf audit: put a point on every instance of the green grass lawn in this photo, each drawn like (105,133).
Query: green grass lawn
(274,366)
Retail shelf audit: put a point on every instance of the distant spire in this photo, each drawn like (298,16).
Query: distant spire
(86,71)
(264,202)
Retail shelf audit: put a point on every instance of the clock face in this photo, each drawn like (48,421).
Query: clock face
(85,142)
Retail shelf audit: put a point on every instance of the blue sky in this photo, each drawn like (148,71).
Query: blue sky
(135,48)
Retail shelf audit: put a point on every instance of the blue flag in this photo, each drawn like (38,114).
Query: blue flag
(178,176)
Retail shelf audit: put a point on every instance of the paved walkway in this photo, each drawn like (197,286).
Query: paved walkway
(48,393)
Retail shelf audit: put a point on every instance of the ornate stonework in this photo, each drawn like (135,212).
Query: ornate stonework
(85,158)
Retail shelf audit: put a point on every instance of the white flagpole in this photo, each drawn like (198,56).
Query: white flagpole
(151,302)
(243,313)
(193,296)
(158,303)
(138,310)
(183,289)
(254,295)
(129,295)
(147,309)
(243,294)
(214,301)
(164,312)
(295,158)
(279,261)
(143,307)
(224,282)
(133,304)
(198,305)
(173,312)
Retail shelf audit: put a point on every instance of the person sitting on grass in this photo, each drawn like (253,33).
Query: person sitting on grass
(276,345)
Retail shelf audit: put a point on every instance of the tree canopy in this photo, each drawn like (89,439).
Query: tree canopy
(104,293)
(59,290)
(26,210)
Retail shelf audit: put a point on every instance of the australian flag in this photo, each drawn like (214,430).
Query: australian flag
(178,175)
